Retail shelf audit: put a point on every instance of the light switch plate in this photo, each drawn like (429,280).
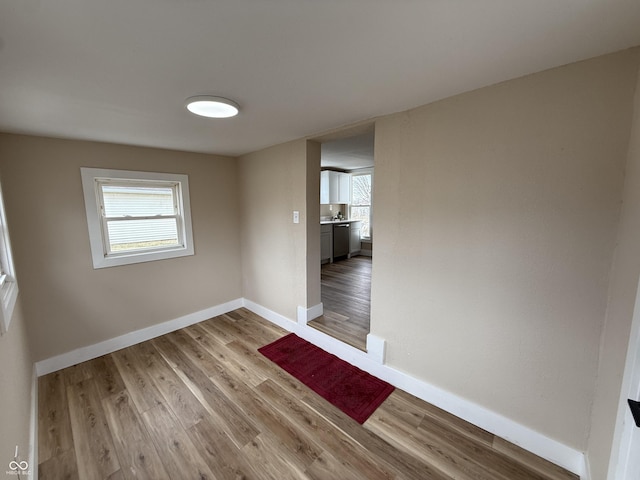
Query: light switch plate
(296,216)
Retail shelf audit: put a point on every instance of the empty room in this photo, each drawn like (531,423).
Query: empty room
(189,285)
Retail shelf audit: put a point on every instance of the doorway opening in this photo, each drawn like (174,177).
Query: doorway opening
(346,223)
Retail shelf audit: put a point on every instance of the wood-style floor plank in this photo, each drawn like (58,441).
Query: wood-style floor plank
(222,456)
(179,456)
(138,457)
(271,420)
(238,427)
(203,403)
(345,288)
(321,429)
(182,401)
(328,466)
(105,375)
(63,466)
(394,456)
(141,388)
(547,469)
(228,357)
(54,427)
(478,457)
(92,438)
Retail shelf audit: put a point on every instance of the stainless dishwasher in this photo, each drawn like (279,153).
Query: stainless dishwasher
(341,236)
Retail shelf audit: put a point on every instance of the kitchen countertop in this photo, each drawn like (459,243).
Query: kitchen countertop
(328,222)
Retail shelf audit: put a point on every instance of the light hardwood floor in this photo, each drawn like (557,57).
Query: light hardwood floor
(202,403)
(346,298)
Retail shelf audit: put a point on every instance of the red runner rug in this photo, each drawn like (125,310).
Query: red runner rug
(352,390)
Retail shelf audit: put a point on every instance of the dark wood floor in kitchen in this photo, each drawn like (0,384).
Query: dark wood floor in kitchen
(346,300)
(202,403)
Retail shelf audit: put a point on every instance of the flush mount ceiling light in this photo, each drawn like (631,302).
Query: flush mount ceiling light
(212,107)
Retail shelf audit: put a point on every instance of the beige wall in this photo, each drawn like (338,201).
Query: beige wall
(15,390)
(622,294)
(69,304)
(273,183)
(313,224)
(496,216)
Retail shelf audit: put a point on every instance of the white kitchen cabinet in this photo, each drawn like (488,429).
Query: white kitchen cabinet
(326,243)
(324,187)
(354,242)
(335,187)
(344,188)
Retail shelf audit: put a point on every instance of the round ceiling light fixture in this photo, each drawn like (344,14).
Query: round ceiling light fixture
(212,107)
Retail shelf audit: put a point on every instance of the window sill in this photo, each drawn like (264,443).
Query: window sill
(140,257)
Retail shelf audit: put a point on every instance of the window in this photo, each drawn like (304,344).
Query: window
(136,216)
(8,282)
(361,184)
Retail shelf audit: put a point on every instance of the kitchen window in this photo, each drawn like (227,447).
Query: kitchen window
(136,216)
(8,282)
(361,208)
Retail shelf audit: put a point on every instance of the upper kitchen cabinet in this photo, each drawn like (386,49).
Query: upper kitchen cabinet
(335,187)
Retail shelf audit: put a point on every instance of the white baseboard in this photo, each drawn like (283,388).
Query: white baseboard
(270,315)
(535,442)
(586,474)
(376,348)
(33,428)
(90,352)
(305,315)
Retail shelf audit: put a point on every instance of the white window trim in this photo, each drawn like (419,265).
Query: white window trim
(9,286)
(90,178)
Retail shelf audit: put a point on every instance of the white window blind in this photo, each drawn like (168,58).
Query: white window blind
(138,217)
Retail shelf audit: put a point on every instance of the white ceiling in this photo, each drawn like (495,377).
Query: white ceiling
(120,70)
(349,153)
